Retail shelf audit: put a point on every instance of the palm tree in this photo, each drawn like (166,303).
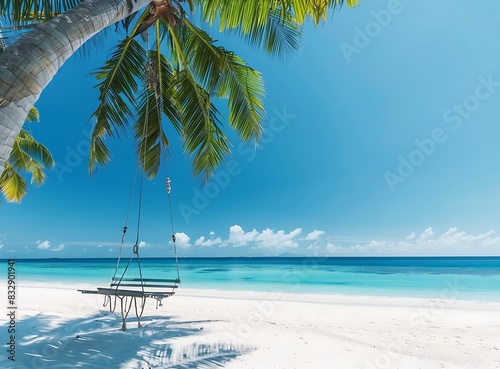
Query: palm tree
(192,77)
(27,155)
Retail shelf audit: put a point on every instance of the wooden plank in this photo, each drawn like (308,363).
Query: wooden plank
(132,293)
(93,292)
(143,285)
(147,280)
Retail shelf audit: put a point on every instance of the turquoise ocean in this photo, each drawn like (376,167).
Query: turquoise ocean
(468,278)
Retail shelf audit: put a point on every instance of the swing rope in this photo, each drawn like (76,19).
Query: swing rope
(143,150)
(126,221)
(171,218)
(114,293)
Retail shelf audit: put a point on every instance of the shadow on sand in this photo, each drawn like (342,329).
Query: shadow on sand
(45,341)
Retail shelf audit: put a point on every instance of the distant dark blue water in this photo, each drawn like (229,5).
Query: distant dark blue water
(476,278)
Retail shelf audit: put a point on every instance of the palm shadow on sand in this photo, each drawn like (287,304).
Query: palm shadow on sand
(45,341)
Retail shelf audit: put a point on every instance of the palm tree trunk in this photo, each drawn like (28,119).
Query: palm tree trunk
(27,66)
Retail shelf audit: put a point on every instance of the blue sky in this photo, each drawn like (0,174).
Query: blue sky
(382,139)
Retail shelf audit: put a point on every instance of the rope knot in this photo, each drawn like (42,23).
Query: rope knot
(167,182)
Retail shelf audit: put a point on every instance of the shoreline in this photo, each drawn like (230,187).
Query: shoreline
(287,295)
(58,327)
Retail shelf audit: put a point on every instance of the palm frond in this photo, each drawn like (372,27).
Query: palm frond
(149,134)
(12,184)
(203,138)
(247,15)
(34,11)
(280,36)
(34,150)
(30,156)
(224,73)
(167,81)
(99,151)
(118,88)
(33,115)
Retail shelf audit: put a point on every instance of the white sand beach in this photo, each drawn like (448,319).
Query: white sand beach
(57,327)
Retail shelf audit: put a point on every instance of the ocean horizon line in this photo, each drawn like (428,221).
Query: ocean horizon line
(287,257)
(439,257)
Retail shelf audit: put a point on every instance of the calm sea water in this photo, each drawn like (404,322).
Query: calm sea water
(474,278)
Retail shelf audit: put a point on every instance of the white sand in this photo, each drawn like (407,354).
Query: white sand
(213,329)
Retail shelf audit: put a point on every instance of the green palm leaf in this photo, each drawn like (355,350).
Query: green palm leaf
(12,184)
(149,134)
(118,88)
(33,115)
(203,138)
(27,155)
(249,15)
(225,73)
(280,36)
(33,151)
(34,11)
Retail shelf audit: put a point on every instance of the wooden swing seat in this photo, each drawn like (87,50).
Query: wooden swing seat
(131,293)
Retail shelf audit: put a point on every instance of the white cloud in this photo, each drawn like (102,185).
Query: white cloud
(269,239)
(452,243)
(142,244)
(238,237)
(182,240)
(207,243)
(1,244)
(411,236)
(58,248)
(314,235)
(43,245)
(428,233)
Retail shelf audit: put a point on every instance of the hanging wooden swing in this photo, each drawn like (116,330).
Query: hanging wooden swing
(135,291)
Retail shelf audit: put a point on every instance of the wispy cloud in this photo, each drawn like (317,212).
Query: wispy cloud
(203,242)
(314,235)
(45,245)
(93,243)
(452,243)
(58,248)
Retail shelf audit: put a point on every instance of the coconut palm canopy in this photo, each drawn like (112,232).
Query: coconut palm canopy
(27,156)
(175,70)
